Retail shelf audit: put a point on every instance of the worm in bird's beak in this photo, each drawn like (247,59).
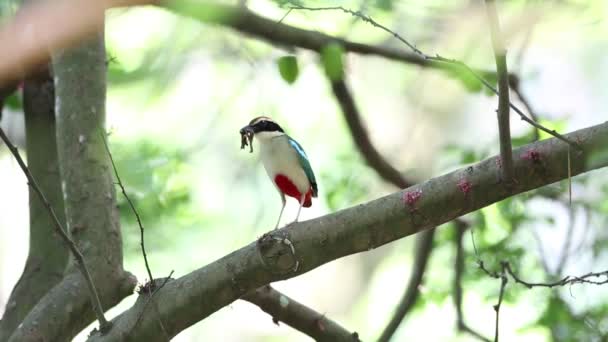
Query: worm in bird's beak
(247,137)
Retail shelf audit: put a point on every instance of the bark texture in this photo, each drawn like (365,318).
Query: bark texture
(90,201)
(47,257)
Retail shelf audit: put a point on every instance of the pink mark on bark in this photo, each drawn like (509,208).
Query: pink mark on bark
(499,162)
(411,197)
(465,186)
(532,155)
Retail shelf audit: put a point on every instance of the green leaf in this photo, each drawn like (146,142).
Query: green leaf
(332,58)
(288,67)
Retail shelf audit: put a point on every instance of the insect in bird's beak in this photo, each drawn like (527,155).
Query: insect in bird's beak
(247,137)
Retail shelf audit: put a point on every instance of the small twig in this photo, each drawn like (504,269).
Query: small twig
(565,253)
(155,306)
(150,298)
(461,325)
(141,226)
(440,59)
(503,284)
(500,56)
(104,325)
(300,317)
(365,18)
(528,106)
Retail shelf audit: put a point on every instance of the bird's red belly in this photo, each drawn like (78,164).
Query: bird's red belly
(288,188)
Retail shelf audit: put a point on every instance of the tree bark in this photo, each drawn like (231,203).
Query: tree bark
(47,258)
(90,201)
(301,247)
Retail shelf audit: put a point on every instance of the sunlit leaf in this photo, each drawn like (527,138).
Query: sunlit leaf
(288,67)
(332,57)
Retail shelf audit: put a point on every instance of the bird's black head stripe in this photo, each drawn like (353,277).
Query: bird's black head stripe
(266,126)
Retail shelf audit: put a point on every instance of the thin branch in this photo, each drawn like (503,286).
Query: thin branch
(457,286)
(132,206)
(500,55)
(365,18)
(361,138)
(565,251)
(151,295)
(298,316)
(442,60)
(104,325)
(528,106)
(589,278)
(424,246)
(352,230)
(503,284)
(567,280)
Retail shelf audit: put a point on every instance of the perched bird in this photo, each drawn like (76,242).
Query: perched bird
(285,162)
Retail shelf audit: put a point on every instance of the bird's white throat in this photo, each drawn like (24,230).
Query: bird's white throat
(265,137)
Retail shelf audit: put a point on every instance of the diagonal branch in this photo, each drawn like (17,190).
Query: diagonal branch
(313,243)
(361,139)
(500,55)
(424,246)
(298,316)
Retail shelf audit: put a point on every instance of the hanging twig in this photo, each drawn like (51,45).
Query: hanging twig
(457,287)
(132,206)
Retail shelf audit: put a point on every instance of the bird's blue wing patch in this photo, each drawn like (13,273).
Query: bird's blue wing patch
(305,163)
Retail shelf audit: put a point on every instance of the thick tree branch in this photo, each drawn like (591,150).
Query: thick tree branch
(312,243)
(298,316)
(47,257)
(90,200)
(500,55)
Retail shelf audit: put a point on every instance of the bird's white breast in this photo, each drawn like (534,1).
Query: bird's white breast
(279,157)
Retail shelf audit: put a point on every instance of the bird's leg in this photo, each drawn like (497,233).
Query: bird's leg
(300,208)
(281,213)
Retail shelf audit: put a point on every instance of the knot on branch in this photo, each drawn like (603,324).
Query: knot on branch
(277,253)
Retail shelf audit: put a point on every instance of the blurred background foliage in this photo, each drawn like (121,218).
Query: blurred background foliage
(179,90)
